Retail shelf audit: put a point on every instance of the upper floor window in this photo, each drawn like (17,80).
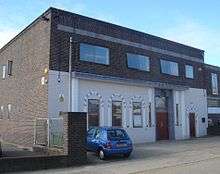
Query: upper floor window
(168,67)
(3,71)
(214,83)
(138,62)
(189,71)
(93,53)
(10,67)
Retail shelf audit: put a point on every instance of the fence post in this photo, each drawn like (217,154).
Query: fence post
(74,136)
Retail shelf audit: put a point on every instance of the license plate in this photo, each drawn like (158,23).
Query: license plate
(121,145)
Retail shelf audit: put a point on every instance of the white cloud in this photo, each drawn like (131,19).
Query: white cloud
(6,35)
(196,35)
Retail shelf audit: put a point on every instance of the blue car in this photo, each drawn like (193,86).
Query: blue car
(108,141)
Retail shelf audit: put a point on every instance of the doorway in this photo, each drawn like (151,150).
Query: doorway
(163,114)
(192,125)
(162,126)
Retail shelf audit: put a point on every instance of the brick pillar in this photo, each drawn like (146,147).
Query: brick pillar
(75,137)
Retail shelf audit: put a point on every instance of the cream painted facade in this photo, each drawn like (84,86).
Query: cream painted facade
(190,100)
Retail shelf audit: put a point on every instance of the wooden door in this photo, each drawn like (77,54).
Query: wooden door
(162,126)
(192,125)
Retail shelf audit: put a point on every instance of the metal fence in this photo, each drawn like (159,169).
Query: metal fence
(49,132)
(56,132)
(41,132)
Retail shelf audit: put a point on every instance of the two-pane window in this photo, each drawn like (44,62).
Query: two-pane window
(93,112)
(214,83)
(139,62)
(94,54)
(117,113)
(189,71)
(137,115)
(168,67)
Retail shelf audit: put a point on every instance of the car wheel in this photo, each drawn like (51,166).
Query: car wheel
(101,154)
(126,155)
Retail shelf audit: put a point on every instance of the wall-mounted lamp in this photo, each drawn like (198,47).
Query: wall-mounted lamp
(44,81)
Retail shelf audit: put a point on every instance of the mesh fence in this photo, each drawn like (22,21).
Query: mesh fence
(41,132)
(56,132)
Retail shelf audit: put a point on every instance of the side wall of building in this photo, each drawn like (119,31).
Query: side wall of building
(22,96)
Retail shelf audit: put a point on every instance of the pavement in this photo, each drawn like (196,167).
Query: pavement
(197,156)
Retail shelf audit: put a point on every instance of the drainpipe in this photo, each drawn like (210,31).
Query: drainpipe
(70,74)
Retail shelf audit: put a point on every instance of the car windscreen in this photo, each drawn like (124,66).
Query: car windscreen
(117,134)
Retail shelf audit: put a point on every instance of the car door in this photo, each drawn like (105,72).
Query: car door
(90,137)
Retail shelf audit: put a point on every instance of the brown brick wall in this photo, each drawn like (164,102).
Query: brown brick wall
(29,52)
(118,66)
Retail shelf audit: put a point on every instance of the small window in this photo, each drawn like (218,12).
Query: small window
(117,113)
(138,62)
(214,83)
(137,115)
(93,53)
(168,67)
(9,110)
(189,71)
(1,112)
(3,71)
(150,119)
(177,114)
(93,112)
(10,67)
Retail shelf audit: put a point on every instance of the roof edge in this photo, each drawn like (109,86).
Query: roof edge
(26,28)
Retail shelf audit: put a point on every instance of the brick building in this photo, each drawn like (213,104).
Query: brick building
(152,87)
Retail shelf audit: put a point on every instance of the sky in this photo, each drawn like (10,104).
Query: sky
(191,22)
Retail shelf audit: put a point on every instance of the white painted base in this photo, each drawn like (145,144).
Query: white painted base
(191,100)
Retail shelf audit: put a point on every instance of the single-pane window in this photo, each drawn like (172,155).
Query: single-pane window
(137,115)
(3,71)
(189,71)
(138,62)
(10,67)
(168,67)
(93,112)
(93,53)
(214,84)
(117,113)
